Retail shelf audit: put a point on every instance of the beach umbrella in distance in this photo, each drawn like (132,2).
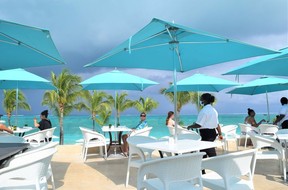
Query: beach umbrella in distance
(200,82)
(21,79)
(275,64)
(116,80)
(260,86)
(24,46)
(167,46)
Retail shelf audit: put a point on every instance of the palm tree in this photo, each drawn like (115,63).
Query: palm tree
(195,98)
(63,100)
(183,98)
(122,104)
(9,102)
(96,103)
(103,116)
(145,105)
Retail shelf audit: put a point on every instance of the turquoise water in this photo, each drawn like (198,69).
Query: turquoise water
(72,123)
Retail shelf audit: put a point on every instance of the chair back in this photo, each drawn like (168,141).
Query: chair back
(142,132)
(134,150)
(32,166)
(232,166)
(4,133)
(268,129)
(89,135)
(191,135)
(244,128)
(179,168)
(49,133)
(180,130)
(260,141)
(38,136)
(11,139)
(229,129)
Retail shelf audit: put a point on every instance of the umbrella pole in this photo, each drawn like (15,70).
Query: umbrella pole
(268,110)
(175,103)
(16,122)
(115,109)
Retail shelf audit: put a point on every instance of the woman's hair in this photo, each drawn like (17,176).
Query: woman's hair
(250,111)
(208,98)
(45,113)
(170,113)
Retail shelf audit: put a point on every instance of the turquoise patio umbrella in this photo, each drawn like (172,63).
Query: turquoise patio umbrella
(260,86)
(200,82)
(21,79)
(24,46)
(116,80)
(276,65)
(167,46)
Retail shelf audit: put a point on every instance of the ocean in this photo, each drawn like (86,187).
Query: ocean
(72,132)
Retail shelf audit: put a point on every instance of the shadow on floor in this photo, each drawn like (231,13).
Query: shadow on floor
(59,171)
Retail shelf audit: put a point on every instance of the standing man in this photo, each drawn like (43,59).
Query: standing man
(207,122)
(282,119)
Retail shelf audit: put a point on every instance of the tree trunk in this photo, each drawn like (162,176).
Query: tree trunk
(61,127)
(9,118)
(93,120)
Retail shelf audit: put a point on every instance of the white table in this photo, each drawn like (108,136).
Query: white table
(22,130)
(180,147)
(118,133)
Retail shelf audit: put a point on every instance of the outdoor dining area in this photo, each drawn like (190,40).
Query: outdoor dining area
(167,163)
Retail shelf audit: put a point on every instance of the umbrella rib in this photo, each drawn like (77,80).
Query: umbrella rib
(212,42)
(12,43)
(153,36)
(156,45)
(30,47)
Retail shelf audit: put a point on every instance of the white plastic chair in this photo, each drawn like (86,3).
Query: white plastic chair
(260,141)
(176,172)
(11,139)
(180,130)
(268,129)
(37,137)
(245,129)
(28,171)
(136,155)
(49,134)
(228,171)
(4,133)
(230,134)
(191,135)
(32,150)
(93,139)
(142,132)
(284,142)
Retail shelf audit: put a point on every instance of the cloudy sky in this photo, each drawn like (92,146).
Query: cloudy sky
(85,30)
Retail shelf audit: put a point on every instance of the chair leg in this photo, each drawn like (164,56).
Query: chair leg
(105,153)
(85,154)
(128,172)
(52,177)
(101,150)
(236,145)
(245,142)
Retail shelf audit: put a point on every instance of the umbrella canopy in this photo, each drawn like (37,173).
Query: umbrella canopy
(24,46)
(21,79)
(276,64)
(260,86)
(116,80)
(167,46)
(201,82)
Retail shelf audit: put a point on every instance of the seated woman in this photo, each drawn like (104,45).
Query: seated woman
(4,128)
(250,119)
(169,120)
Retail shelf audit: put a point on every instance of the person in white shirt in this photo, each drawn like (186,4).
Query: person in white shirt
(282,119)
(207,122)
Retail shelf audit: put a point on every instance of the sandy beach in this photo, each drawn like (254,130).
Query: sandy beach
(70,172)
